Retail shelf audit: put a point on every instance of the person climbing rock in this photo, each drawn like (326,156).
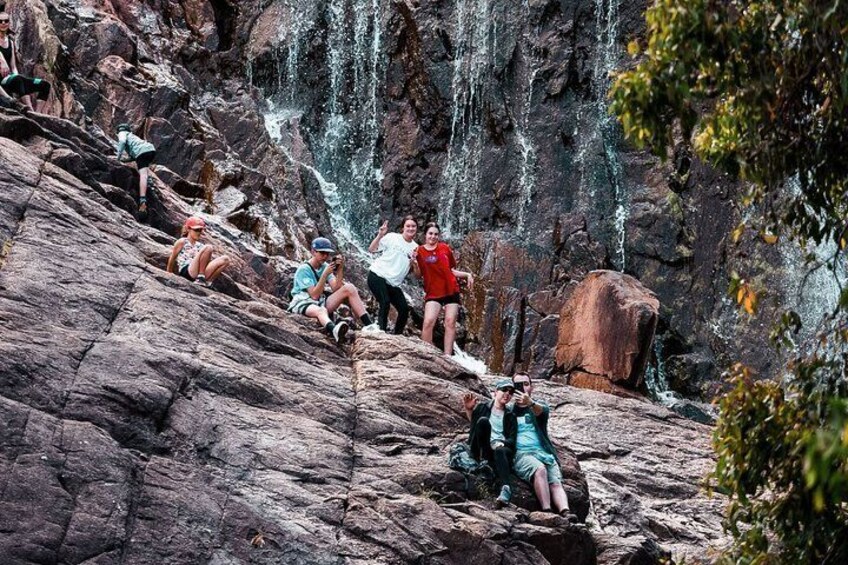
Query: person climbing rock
(493,434)
(536,459)
(390,269)
(193,258)
(436,265)
(12,83)
(312,277)
(142,152)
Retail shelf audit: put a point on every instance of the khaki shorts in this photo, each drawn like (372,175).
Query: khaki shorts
(526,465)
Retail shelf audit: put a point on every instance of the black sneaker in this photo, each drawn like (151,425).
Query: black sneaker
(340,331)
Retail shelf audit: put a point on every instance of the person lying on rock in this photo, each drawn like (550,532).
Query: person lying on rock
(390,269)
(142,152)
(12,83)
(493,434)
(436,265)
(312,277)
(536,459)
(193,258)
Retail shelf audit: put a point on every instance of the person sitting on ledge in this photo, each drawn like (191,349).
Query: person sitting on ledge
(536,459)
(308,297)
(193,258)
(493,434)
(142,152)
(12,83)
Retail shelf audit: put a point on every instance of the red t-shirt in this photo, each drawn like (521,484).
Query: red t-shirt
(436,265)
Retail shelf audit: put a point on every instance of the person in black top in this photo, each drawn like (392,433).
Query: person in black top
(493,434)
(13,83)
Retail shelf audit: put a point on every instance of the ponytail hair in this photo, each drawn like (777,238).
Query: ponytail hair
(429,225)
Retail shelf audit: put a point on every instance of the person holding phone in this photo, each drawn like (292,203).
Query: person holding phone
(312,277)
(390,269)
(536,460)
(493,434)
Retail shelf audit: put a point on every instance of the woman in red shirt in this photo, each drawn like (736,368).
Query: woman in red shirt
(435,263)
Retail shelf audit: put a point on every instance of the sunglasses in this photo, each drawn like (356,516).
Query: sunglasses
(198,230)
(322,252)
(508,390)
(4,21)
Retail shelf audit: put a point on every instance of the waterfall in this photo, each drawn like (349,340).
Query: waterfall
(655,377)
(527,166)
(599,134)
(344,142)
(474,48)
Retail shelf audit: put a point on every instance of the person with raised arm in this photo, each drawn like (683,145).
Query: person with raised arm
(436,265)
(388,272)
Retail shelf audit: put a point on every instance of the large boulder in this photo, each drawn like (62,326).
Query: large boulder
(607,327)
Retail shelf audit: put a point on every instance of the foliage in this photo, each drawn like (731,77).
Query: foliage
(760,90)
(783,461)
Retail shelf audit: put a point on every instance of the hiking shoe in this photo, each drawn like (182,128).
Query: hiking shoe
(201,280)
(371,328)
(570,517)
(142,212)
(340,331)
(504,496)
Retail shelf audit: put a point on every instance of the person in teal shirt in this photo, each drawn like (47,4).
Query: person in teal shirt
(536,459)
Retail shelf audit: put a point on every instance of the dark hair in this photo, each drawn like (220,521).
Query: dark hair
(124,127)
(432,225)
(407,218)
(529,378)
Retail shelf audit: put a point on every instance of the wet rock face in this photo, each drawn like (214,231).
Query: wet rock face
(606,329)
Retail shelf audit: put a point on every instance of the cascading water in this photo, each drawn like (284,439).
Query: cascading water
(655,377)
(599,134)
(344,141)
(474,45)
(527,166)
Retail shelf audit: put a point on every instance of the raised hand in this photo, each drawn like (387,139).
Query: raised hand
(469,401)
(384,229)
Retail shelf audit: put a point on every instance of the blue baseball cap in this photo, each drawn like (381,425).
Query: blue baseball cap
(323,244)
(504,384)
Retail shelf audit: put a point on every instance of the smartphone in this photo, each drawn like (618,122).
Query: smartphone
(519,387)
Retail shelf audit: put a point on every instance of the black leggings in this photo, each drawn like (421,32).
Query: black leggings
(498,458)
(387,294)
(21,86)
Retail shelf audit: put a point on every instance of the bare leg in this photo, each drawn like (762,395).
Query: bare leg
(27,102)
(431,314)
(540,485)
(558,497)
(142,182)
(451,313)
(215,267)
(200,261)
(349,294)
(318,312)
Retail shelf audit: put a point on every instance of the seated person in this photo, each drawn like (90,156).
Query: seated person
(493,434)
(12,83)
(308,290)
(536,459)
(193,258)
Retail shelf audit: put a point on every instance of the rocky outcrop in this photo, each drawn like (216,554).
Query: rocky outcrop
(606,329)
(144,419)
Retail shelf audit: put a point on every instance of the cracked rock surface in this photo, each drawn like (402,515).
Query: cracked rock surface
(146,420)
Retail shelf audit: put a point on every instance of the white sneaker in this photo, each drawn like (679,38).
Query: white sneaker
(340,331)
(371,328)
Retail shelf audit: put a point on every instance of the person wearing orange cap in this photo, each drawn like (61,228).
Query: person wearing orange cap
(193,258)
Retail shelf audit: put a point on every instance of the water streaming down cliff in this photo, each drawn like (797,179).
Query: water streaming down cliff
(343,136)
(599,134)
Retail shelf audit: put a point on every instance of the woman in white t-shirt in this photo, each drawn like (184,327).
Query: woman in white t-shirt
(387,273)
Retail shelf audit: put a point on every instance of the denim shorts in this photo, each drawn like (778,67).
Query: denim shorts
(526,465)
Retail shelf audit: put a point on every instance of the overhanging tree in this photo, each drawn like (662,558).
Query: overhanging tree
(760,90)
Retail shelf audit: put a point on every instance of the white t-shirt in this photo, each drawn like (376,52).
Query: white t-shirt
(393,263)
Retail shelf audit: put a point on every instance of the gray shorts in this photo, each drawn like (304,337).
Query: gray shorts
(299,304)
(526,465)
